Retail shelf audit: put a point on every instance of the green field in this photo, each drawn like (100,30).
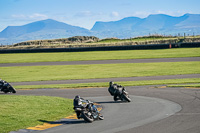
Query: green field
(186,85)
(20,112)
(66,72)
(99,55)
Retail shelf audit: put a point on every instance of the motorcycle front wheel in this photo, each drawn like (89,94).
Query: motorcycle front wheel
(11,89)
(126,97)
(87,117)
(101,117)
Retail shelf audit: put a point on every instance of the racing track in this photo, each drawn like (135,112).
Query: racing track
(151,110)
(142,115)
(119,116)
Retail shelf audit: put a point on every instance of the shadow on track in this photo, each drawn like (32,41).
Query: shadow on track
(111,102)
(6,93)
(67,121)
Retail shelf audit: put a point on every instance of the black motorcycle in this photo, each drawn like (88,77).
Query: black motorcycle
(6,87)
(122,94)
(88,112)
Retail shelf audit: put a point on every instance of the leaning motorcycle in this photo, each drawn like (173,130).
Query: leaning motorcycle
(6,87)
(88,112)
(123,95)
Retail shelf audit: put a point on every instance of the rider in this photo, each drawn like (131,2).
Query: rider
(2,84)
(114,90)
(78,103)
(2,81)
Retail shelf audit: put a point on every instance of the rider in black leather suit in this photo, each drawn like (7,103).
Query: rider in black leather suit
(114,90)
(78,103)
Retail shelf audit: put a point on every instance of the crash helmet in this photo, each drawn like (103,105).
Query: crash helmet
(77,97)
(111,83)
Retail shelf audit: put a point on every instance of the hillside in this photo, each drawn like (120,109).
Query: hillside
(188,24)
(45,29)
(153,24)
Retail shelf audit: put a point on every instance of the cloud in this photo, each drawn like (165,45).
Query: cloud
(143,14)
(35,16)
(114,14)
(18,16)
(38,16)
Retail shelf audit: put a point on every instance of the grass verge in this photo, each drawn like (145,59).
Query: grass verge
(20,112)
(94,71)
(105,84)
(99,55)
(186,85)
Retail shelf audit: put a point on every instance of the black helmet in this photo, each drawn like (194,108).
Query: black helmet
(77,97)
(111,83)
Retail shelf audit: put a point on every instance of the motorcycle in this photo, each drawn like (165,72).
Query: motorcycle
(88,112)
(6,87)
(122,94)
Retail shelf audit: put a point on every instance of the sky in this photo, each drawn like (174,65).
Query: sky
(84,13)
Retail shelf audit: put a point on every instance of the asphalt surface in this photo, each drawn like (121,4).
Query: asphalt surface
(120,116)
(187,120)
(157,109)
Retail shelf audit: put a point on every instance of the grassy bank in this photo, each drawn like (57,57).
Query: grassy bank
(186,85)
(20,112)
(45,73)
(92,41)
(99,55)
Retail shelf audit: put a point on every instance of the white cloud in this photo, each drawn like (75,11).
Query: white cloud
(35,16)
(161,12)
(18,16)
(114,14)
(143,14)
(38,16)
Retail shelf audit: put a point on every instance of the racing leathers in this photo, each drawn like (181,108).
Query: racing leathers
(78,103)
(114,90)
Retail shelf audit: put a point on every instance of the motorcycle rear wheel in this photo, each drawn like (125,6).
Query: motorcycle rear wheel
(101,117)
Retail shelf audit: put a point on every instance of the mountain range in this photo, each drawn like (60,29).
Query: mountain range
(124,28)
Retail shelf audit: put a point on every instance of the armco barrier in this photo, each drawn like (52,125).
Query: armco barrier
(106,48)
